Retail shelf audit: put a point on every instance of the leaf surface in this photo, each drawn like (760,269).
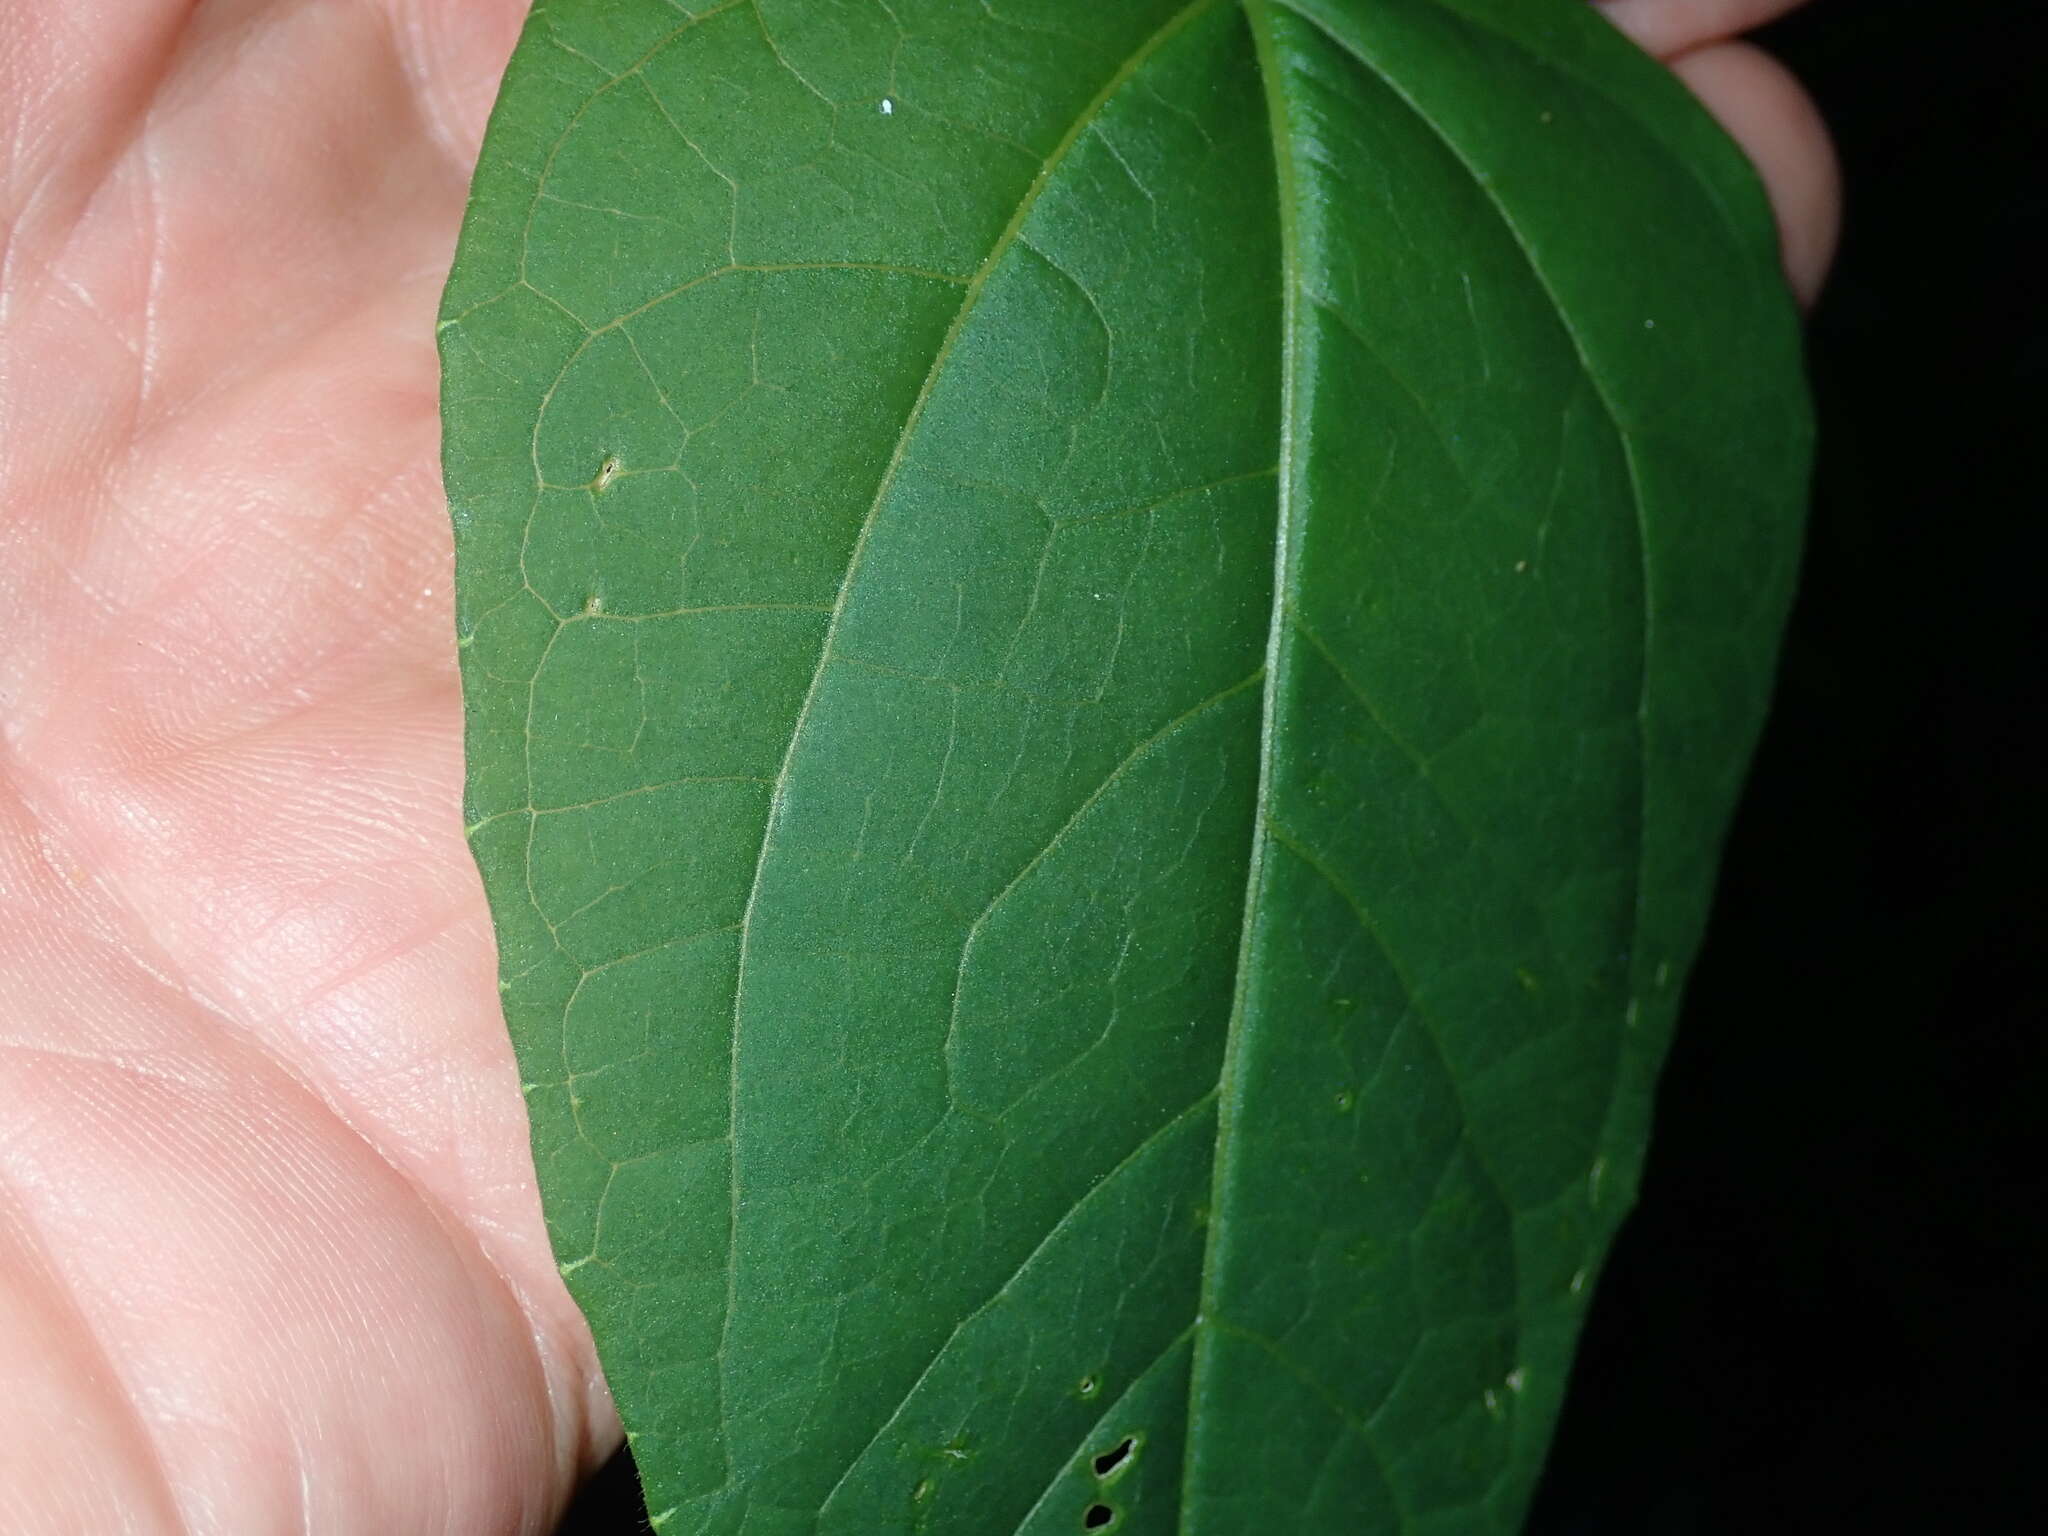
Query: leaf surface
(1106,648)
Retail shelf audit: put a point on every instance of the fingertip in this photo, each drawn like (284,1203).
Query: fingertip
(1767,112)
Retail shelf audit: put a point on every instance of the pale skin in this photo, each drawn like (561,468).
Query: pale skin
(271,1256)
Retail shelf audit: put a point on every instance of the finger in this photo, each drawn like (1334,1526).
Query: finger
(1669,27)
(1767,112)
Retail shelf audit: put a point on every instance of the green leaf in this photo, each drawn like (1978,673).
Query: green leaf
(1107,645)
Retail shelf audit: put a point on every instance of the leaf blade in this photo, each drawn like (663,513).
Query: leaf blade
(951,575)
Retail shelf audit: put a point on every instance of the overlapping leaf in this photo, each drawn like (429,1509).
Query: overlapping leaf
(1106,647)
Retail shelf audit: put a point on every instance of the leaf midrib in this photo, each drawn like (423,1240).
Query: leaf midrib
(1229,1082)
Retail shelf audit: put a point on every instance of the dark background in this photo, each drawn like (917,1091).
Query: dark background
(1827,1312)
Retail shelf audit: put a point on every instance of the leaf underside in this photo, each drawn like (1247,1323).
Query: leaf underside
(1106,648)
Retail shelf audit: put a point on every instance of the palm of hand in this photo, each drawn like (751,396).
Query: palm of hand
(268,1218)
(270,1250)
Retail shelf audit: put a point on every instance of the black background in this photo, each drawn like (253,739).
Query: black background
(1826,1313)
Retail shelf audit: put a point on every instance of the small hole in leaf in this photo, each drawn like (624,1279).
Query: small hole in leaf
(1088,1386)
(1114,1458)
(607,472)
(1097,1517)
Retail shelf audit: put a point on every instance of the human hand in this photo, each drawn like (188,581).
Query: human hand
(271,1255)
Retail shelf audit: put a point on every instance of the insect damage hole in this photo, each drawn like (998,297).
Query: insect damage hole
(1116,1458)
(1097,1517)
(607,472)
